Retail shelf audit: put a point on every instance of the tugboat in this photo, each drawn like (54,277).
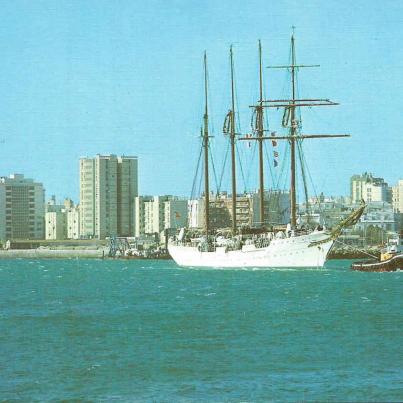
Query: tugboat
(391,258)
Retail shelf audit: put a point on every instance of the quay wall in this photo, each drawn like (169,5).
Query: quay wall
(53,253)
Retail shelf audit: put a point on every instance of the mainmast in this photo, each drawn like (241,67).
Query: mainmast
(206,151)
(260,132)
(232,139)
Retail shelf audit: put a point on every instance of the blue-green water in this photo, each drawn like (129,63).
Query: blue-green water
(148,330)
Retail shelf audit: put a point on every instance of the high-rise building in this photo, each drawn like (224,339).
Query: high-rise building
(397,202)
(398,197)
(87,197)
(127,190)
(370,189)
(22,208)
(108,187)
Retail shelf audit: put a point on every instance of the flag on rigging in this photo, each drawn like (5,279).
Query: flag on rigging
(248,135)
(273,142)
(275,163)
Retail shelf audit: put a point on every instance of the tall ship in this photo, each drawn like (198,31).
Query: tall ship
(294,245)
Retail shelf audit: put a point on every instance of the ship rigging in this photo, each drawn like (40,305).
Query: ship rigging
(295,247)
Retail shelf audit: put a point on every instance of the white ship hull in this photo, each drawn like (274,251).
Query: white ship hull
(290,252)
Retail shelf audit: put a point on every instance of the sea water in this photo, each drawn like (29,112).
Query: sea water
(151,331)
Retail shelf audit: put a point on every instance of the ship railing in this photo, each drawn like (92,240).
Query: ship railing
(262,243)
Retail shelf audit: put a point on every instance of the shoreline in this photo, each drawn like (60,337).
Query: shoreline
(103,253)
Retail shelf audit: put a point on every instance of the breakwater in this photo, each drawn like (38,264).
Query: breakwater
(54,253)
(352,253)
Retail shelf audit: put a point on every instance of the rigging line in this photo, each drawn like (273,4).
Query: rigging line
(299,114)
(223,167)
(271,169)
(301,161)
(276,177)
(196,173)
(312,184)
(200,181)
(251,164)
(244,161)
(214,171)
(286,164)
(241,168)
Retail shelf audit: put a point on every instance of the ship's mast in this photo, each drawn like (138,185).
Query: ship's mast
(206,151)
(232,139)
(293,132)
(260,130)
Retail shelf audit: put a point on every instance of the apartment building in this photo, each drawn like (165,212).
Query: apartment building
(108,187)
(22,208)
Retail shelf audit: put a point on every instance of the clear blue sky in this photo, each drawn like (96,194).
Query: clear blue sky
(85,77)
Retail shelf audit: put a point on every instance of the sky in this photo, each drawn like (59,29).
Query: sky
(78,78)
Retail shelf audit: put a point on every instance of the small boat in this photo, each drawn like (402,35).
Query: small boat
(391,258)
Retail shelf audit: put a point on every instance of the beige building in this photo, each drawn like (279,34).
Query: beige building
(218,211)
(87,197)
(276,210)
(73,222)
(156,213)
(62,221)
(22,208)
(370,189)
(139,214)
(55,225)
(397,201)
(108,187)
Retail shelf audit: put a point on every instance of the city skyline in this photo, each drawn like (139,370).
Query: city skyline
(110,206)
(96,79)
(61,197)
